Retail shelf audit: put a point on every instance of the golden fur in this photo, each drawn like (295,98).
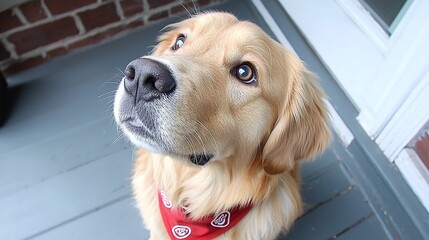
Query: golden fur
(258,133)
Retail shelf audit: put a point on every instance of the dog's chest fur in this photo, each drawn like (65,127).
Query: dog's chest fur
(204,193)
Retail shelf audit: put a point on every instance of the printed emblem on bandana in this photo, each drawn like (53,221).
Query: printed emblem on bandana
(221,220)
(181,232)
(167,203)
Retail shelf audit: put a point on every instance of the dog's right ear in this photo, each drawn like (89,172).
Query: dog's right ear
(301,130)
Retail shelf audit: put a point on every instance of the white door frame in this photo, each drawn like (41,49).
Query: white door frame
(379,73)
(407,121)
(387,77)
(406,63)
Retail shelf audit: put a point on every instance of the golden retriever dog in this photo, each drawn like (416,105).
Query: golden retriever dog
(223,116)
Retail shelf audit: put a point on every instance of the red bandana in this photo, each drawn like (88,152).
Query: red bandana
(178,226)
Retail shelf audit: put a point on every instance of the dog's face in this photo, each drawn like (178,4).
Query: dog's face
(220,89)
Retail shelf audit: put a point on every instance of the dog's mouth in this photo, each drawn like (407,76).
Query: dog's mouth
(197,159)
(200,159)
(135,122)
(135,125)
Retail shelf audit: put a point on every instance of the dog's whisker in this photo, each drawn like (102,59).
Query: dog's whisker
(119,138)
(115,83)
(109,109)
(203,145)
(122,72)
(196,8)
(198,140)
(110,102)
(107,93)
(189,13)
(182,18)
(115,76)
(211,135)
(108,99)
(152,48)
(191,147)
(112,121)
(193,150)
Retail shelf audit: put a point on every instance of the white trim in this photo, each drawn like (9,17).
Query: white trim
(366,22)
(400,72)
(388,79)
(272,24)
(338,124)
(415,173)
(407,121)
(350,55)
(378,82)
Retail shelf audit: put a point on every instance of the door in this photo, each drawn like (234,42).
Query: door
(378,52)
(380,62)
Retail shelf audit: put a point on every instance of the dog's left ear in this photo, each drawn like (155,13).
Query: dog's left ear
(301,130)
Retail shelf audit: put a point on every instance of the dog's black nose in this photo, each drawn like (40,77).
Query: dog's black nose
(147,79)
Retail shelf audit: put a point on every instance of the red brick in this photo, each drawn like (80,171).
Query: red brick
(202,3)
(131,7)
(135,24)
(99,17)
(8,21)
(24,65)
(96,38)
(158,16)
(177,9)
(158,3)
(58,7)
(105,35)
(422,149)
(190,7)
(43,35)
(4,54)
(33,11)
(56,52)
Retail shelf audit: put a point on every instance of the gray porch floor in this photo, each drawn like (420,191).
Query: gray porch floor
(64,174)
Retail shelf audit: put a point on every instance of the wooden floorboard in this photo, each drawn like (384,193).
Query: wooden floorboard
(119,220)
(44,159)
(331,218)
(313,168)
(63,198)
(63,175)
(370,228)
(61,108)
(324,187)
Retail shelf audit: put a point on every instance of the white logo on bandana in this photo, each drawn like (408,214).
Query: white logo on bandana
(181,232)
(167,203)
(221,220)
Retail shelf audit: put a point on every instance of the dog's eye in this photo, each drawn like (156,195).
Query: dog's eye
(179,42)
(245,73)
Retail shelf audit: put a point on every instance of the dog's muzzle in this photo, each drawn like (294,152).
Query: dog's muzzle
(147,83)
(146,80)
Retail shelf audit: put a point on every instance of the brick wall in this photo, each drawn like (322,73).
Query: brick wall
(39,30)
